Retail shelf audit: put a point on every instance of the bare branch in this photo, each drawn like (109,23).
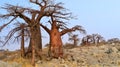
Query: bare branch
(3,26)
(9,36)
(17,11)
(45,28)
(25,18)
(41,4)
(79,28)
(20,27)
(36,2)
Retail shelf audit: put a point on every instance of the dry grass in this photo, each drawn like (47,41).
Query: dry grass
(14,56)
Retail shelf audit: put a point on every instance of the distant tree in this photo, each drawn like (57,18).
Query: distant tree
(113,40)
(92,39)
(74,38)
(87,40)
(97,38)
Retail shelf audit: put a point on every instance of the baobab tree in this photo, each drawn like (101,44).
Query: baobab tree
(93,39)
(57,30)
(23,34)
(20,32)
(97,38)
(74,38)
(113,40)
(87,40)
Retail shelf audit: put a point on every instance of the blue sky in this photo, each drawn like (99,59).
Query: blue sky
(96,16)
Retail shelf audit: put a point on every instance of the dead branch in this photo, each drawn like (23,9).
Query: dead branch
(3,26)
(76,28)
(36,2)
(45,28)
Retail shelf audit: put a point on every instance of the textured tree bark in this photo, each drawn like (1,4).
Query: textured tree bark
(33,52)
(32,30)
(56,43)
(38,38)
(36,34)
(35,42)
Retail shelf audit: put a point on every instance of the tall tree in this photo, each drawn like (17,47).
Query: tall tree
(20,32)
(23,33)
(57,30)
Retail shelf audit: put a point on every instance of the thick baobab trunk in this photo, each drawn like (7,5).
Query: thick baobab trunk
(35,42)
(56,43)
(35,31)
(55,48)
(22,44)
(37,37)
